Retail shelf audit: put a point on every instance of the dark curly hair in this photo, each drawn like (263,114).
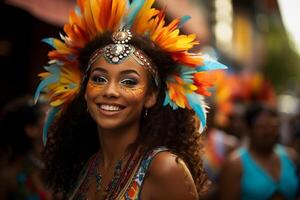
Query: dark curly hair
(73,136)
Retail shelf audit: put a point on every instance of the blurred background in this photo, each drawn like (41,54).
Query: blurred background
(247,35)
(258,39)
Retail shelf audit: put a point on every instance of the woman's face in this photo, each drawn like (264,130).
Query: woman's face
(116,93)
(265,130)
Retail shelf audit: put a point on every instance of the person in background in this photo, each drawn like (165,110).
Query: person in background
(295,132)
(264,169)
(21,125)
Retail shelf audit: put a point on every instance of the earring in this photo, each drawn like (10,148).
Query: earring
(146,112)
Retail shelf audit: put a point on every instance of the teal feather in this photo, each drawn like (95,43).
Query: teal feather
(169,102)
(167,99)
(210,64)
(197,104)
(49,41)
(54,77)
(72,85)
(187,74)
(77,11)
(54,69)
(134,9)
(48,121)
(183,20)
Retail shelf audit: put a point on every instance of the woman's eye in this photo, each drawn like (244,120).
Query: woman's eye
(129,82)
(99,79)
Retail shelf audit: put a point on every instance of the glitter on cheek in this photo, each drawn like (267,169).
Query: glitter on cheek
(136,91)
(92,87)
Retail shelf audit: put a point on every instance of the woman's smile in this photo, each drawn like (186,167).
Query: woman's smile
(109,109)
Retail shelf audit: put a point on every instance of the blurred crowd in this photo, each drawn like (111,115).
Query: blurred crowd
(246,155)
(21,125)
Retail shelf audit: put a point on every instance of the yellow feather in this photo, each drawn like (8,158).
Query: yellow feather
(56,103)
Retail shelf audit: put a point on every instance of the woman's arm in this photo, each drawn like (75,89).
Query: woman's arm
(230,179)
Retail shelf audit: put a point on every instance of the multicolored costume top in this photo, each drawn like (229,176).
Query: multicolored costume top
(186,86)
(133,186)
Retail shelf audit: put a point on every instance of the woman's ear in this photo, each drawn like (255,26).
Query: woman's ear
(151,99)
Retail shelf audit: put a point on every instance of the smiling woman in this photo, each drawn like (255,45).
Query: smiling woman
(125,92)
(117,93)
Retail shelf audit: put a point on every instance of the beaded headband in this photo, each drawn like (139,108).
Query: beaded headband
(119,51)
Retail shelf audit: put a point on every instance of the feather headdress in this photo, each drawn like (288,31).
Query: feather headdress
(185,88)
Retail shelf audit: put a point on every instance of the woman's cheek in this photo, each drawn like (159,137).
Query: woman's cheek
(93,88)
(136,92)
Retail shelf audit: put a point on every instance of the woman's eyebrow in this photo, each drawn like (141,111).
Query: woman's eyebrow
(129,71)
(100,69)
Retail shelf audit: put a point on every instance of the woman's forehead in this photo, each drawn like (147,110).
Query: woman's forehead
(128,65)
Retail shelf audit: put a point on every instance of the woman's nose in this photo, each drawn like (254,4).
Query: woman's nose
(111,90)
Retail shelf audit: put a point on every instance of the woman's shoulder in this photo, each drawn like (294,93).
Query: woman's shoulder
(169,175)
(166,163)
(290,152)
(233,162)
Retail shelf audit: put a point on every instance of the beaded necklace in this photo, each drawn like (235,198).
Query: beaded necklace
(120,178)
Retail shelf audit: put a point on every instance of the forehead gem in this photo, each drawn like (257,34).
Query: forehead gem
(117,49)
(115,59)
(122,37)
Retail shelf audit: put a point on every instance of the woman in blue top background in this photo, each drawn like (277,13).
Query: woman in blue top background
(263,169)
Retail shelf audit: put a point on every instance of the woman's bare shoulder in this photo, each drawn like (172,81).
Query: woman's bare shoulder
(232,165)
(171,178)
(292,154)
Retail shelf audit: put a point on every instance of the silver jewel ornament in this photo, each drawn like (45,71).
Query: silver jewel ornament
(119,51)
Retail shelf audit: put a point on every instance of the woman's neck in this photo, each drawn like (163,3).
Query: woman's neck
(261,152)
(114,143)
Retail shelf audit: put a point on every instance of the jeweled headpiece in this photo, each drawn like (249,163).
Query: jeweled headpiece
(185,87)
(119,51)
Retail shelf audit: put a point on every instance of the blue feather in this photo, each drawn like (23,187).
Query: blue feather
(49,41)
(134,9)
(211,65)
(48,121)
(187,70)
(49,80)
(197,104)
(168,101)
(77,11)
(183,20)
(54,69)
(188,74)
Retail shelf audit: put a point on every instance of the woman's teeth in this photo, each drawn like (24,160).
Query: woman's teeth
(110,108)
